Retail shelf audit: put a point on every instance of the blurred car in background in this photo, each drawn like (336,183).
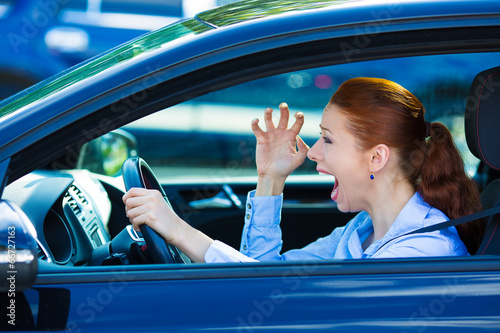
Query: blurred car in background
(40,38)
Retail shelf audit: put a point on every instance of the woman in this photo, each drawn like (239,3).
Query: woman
(399,171)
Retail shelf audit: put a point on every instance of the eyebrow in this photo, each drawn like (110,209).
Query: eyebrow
(324,128)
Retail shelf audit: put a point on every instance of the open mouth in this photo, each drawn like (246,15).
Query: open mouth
(335,191)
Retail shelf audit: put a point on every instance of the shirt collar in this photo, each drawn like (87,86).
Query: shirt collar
(410,218)
(359,235)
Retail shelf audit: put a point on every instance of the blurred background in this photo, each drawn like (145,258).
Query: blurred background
(39,38)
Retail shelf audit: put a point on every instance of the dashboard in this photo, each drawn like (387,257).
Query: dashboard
(70,211)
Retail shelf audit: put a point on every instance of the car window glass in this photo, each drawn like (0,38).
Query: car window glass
(210,136)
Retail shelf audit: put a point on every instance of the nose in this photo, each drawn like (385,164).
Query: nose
(314,154)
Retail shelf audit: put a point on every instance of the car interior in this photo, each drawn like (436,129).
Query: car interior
(202,153)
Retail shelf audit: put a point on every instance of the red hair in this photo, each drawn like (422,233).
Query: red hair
(381,111)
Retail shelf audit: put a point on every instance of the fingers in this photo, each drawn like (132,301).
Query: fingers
(302,147)
(283,122)
(140,205)
(138,196)
(257,131)
(284,115)
(268,119)
(299,121)
(139,216)
(135,192)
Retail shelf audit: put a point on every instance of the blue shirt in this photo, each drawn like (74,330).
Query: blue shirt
(261,238)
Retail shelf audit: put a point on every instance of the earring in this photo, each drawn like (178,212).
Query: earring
(372,176)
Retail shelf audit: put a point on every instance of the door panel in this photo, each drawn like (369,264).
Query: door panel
(258,297)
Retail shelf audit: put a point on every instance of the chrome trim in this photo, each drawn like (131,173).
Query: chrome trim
(133,234)
(45,252)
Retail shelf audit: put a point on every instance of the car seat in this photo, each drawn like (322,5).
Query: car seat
(485,175)
(482,120)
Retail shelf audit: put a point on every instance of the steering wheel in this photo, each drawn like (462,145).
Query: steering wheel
(137,173)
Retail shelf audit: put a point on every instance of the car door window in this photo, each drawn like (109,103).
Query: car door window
(210,136)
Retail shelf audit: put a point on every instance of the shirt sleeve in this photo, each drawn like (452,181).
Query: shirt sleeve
(262,237)
(322,249)
(220,252)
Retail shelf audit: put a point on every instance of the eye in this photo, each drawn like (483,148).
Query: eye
(326,140)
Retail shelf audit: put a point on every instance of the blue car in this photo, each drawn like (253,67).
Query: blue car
(40,38)
(181,98)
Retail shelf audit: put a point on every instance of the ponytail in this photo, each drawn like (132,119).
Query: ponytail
(445,185)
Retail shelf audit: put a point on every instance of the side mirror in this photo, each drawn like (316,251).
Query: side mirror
(106,154)
(18,250)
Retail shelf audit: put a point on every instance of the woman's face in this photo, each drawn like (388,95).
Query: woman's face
(336,154)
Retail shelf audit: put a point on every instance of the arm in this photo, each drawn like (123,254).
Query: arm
(261,237)
(279,151)
(148,207)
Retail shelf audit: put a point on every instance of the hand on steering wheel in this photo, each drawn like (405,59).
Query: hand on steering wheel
(137,173)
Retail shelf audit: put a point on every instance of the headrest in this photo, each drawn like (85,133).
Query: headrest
(482,117)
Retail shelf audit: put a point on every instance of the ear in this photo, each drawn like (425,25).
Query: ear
(379,157)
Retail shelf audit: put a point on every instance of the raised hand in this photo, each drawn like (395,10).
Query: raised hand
(279,150)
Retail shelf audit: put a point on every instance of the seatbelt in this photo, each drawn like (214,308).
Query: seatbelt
(450,223)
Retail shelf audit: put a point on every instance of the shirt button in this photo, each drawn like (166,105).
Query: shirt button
(244,247)
(249,206)
(248,216)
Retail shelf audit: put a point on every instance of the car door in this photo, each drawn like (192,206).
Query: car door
(428,295)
